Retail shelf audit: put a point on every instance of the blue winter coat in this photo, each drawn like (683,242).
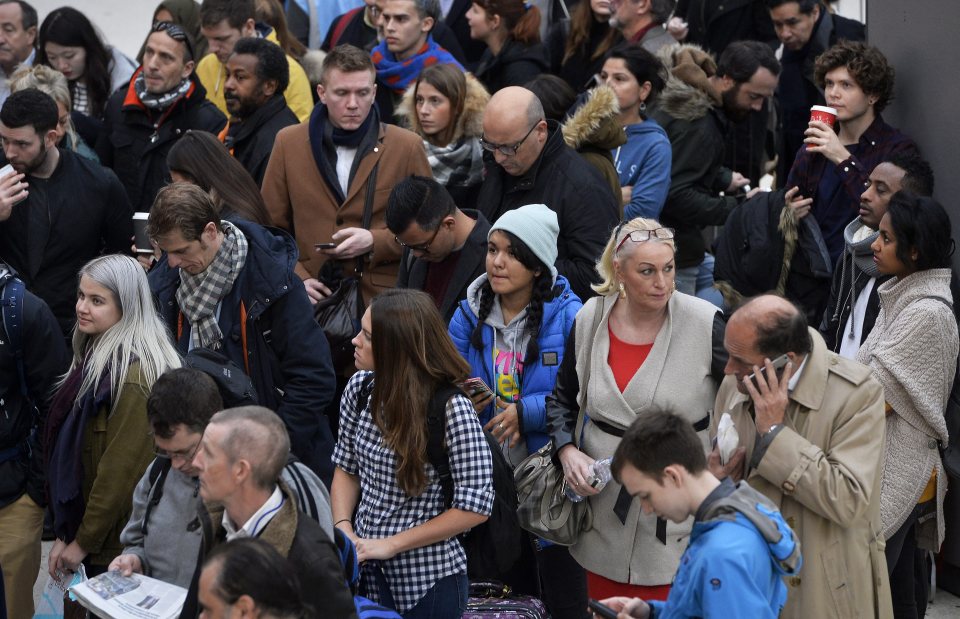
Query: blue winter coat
(644,163)
(539,376)
(740,548)
(287,353)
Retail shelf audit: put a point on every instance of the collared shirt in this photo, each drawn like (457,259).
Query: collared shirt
(5,79)
(386,510)
(258,521)
(795,378)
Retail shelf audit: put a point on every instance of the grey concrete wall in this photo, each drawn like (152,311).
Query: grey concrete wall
(920,38)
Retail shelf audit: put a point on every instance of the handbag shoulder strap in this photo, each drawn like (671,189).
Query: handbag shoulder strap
(597,318)
(368,208)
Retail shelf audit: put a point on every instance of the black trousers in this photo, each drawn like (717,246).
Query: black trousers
(908,568)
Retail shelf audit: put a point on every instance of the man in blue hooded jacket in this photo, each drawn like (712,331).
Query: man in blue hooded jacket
(740,546)
(229,287)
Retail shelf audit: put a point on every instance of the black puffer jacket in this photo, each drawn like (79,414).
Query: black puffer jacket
(45,358)
(515,65)
(134,141)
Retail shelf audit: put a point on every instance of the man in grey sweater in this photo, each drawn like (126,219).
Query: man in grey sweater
(162,538)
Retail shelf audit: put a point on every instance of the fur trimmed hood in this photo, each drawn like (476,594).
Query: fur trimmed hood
(688,95)
(470,123)
(595,123)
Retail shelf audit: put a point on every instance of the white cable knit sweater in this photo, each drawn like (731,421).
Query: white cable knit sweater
(912,351)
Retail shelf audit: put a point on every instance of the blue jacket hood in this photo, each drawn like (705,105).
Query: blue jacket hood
(647,126)
(746,506)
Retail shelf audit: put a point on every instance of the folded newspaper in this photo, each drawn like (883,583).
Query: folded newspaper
(114,596)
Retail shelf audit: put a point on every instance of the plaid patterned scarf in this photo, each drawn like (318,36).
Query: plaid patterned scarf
(199,294)
(459,164)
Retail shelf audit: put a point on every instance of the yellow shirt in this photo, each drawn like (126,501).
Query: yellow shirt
(212,74)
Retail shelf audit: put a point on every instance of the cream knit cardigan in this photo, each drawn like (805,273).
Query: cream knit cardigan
(912,351)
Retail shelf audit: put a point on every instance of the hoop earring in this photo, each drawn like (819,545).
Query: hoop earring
(643,107)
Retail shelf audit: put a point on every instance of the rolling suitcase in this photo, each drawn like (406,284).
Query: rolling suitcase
(493,600)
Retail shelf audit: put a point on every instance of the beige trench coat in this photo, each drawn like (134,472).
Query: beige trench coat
(823,470)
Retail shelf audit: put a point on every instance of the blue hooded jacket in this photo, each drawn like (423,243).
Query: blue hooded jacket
(740,549)
(644,163)
(538,376)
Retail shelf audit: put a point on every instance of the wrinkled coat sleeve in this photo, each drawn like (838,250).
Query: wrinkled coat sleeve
(562,408)
(277,197)
(689,199)
(835,483)
(132,535)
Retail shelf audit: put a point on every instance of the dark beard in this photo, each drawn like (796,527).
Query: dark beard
(729,98)
(246,107)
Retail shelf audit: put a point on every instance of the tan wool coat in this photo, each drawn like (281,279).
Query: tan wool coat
(301,202)
(822,470)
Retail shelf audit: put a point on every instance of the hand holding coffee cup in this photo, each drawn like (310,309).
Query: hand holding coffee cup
(141,240)
(823,114)
(13,190)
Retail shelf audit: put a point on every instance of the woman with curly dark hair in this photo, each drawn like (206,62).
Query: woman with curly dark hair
(576,46)
(512,329)
(69,44)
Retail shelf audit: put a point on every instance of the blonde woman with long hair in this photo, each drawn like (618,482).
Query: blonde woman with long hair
(97,440)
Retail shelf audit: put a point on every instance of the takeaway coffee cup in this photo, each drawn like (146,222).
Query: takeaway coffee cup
(140,238)
(824,114)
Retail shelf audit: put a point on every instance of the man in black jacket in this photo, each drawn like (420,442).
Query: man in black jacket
(444,248)
(806,29)
(141,123)
(24,389)
(257,75)
(57,210)
(230,287)
(241,455)
(855,277)
(529,163)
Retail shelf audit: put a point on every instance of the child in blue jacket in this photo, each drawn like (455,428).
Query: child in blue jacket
(740,547)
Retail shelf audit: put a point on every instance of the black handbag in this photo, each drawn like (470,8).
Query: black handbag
(339,313)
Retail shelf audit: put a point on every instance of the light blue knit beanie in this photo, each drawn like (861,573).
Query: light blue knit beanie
(536,225)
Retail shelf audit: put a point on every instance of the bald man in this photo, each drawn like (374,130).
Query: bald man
(239,461)
(811,439)
(527,162)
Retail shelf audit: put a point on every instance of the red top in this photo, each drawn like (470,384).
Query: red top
(625,359)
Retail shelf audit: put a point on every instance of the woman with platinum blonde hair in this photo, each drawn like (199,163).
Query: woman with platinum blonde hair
(97,442)
(640,346)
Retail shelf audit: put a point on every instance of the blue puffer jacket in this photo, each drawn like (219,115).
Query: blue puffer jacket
(538,377)
(739,551)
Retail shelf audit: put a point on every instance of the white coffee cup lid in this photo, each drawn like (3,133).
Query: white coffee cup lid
(141,215)
(824,108)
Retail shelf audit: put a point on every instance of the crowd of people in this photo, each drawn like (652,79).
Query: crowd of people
(543,226)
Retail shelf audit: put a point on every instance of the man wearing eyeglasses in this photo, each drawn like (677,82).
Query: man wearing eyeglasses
(162,538)
(141,122)
(527,162)
(444,247)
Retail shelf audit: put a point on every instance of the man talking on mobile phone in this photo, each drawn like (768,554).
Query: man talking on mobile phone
(812,439)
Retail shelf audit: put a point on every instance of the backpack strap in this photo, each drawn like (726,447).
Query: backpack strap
(342,25)
(305,500)
(13,325)
(436,430)
(157,476)
(243,334)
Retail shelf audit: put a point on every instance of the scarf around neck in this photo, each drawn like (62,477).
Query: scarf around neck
(399,74)
(163,100)
(63,444)
(199,295)
(459,164)
(325,138)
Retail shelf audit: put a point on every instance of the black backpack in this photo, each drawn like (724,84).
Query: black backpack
(495,546)
(236,388)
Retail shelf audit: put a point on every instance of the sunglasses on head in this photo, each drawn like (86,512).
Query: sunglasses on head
(640,236)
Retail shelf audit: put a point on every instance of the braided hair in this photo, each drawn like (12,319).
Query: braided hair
(543,292)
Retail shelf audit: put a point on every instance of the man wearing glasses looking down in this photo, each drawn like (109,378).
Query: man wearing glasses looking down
(527,162)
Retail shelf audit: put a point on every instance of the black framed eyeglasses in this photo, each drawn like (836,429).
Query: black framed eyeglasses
(506,149)
(640,236)
(424,247)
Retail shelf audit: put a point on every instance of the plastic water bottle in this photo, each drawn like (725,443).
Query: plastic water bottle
(600,476)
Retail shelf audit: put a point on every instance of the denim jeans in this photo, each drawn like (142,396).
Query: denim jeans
(697,281)
(447,598)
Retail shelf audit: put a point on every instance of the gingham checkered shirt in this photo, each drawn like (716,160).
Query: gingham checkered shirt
(386,510)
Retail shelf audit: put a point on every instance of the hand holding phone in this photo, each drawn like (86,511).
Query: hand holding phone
(602,610)
(321,246)
(778,364)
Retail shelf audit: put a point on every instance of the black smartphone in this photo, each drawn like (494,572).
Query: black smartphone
(475,386)
(602,610)
(778,365)
(324,245)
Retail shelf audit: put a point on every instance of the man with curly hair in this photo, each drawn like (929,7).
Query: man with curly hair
(828,176)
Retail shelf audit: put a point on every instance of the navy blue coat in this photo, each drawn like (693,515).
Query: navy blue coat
(288,358)
(539,376)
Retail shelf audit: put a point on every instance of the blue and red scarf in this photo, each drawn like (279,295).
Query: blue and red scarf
(399,74)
